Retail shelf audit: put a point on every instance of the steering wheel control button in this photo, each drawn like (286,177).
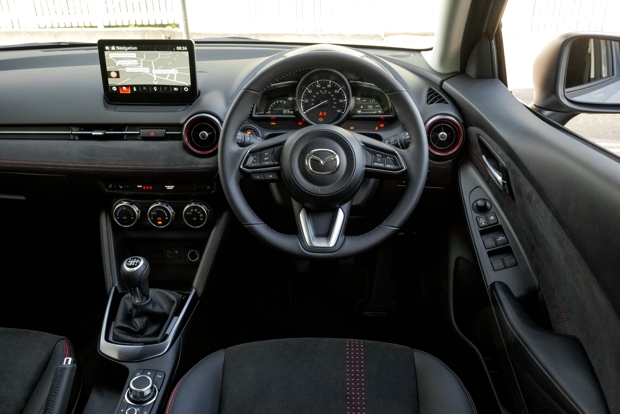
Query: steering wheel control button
(482,221)
(492,217)
(482,206)
(126,214)
(259,176)
(391,163)
(253,161)
(379,160)
(266,158)
(160,215)
(271,176)
(195,215)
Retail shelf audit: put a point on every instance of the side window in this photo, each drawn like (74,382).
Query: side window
(527,27)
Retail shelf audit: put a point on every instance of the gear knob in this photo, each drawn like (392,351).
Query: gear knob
(135,272)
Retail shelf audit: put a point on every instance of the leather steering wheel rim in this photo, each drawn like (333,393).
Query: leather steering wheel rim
(342,59)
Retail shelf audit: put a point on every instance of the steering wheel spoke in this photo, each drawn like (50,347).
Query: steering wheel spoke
(321,230)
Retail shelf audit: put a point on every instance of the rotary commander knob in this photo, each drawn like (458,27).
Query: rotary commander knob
(141,390)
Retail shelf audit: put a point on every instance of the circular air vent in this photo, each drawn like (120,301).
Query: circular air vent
(201,133)
(445,135)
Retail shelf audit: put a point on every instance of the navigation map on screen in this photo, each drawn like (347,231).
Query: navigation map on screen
(147,68)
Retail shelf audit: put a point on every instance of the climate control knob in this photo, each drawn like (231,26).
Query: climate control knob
(195,215)
(160,215)
(126,213)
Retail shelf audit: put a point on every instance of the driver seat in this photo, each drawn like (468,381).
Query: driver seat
(322,376)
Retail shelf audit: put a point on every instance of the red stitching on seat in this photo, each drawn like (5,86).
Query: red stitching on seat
(64,341)
(355,374)
(172,396)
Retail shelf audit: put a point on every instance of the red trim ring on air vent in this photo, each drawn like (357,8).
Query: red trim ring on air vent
(444,134)
(201,133)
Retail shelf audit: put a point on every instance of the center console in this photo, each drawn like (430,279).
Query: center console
(158,253)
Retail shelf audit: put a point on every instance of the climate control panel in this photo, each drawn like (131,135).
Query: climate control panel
(161,214)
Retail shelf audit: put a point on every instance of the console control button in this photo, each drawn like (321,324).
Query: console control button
(147,409)
(159,379)
(160,215)
(126,214)
(195,215)
(122,409)
(141,390)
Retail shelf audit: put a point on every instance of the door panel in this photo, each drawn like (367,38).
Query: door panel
(564,207)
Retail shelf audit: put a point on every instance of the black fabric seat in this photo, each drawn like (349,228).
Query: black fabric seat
(35,374)
(322,376)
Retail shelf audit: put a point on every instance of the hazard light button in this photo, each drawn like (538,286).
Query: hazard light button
(152,133)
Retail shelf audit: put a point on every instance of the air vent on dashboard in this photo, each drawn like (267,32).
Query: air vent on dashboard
(434,97)
(201,133)
(445,135)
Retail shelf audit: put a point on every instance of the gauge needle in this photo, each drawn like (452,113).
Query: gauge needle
(317,105)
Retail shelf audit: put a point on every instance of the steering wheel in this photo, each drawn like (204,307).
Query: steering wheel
(323,165)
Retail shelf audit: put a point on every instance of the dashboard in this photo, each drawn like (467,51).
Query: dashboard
(56,121)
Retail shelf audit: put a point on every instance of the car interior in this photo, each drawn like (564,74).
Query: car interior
(312,228)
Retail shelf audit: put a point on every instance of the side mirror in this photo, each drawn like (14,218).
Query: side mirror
(578,73)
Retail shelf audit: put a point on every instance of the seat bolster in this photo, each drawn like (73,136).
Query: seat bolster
(200,387)
(439,389)
(63,387)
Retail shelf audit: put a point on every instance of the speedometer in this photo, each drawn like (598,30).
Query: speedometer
(323,97)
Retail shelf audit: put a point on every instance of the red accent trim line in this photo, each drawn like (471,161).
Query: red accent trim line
(174,392)
(64,341)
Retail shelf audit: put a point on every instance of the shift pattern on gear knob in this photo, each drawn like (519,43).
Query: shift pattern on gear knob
(135,272)
(133,262)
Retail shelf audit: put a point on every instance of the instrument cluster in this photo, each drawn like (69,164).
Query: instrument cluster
(323,96)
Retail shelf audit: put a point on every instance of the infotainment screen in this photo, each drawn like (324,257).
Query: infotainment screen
(148,71)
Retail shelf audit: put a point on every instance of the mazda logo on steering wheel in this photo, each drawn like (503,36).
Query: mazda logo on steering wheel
(322,161)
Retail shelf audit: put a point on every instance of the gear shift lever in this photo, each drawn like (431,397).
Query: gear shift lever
(135,272)
(144,314)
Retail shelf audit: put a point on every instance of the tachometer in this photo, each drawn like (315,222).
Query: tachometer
(323,97)
(280,107)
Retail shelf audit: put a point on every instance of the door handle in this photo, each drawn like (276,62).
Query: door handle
(495,174)
(494,164)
